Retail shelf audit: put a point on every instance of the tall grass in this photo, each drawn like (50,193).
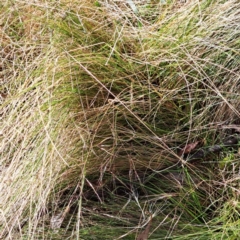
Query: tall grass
(96,102)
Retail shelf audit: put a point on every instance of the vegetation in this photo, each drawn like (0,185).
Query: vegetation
(98,98)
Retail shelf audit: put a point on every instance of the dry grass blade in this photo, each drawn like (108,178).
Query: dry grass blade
(95,99)
(144,234)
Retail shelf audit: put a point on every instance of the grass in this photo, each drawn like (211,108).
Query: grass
(96,102)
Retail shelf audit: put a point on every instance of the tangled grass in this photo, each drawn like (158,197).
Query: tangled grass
(97,99)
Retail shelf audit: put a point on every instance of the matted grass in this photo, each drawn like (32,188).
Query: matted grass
(97,100)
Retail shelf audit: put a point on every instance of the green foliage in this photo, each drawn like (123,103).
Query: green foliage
(97,101)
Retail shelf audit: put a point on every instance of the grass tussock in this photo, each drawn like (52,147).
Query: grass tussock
(97,100)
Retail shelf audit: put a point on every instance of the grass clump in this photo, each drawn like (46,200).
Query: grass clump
(97,102)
